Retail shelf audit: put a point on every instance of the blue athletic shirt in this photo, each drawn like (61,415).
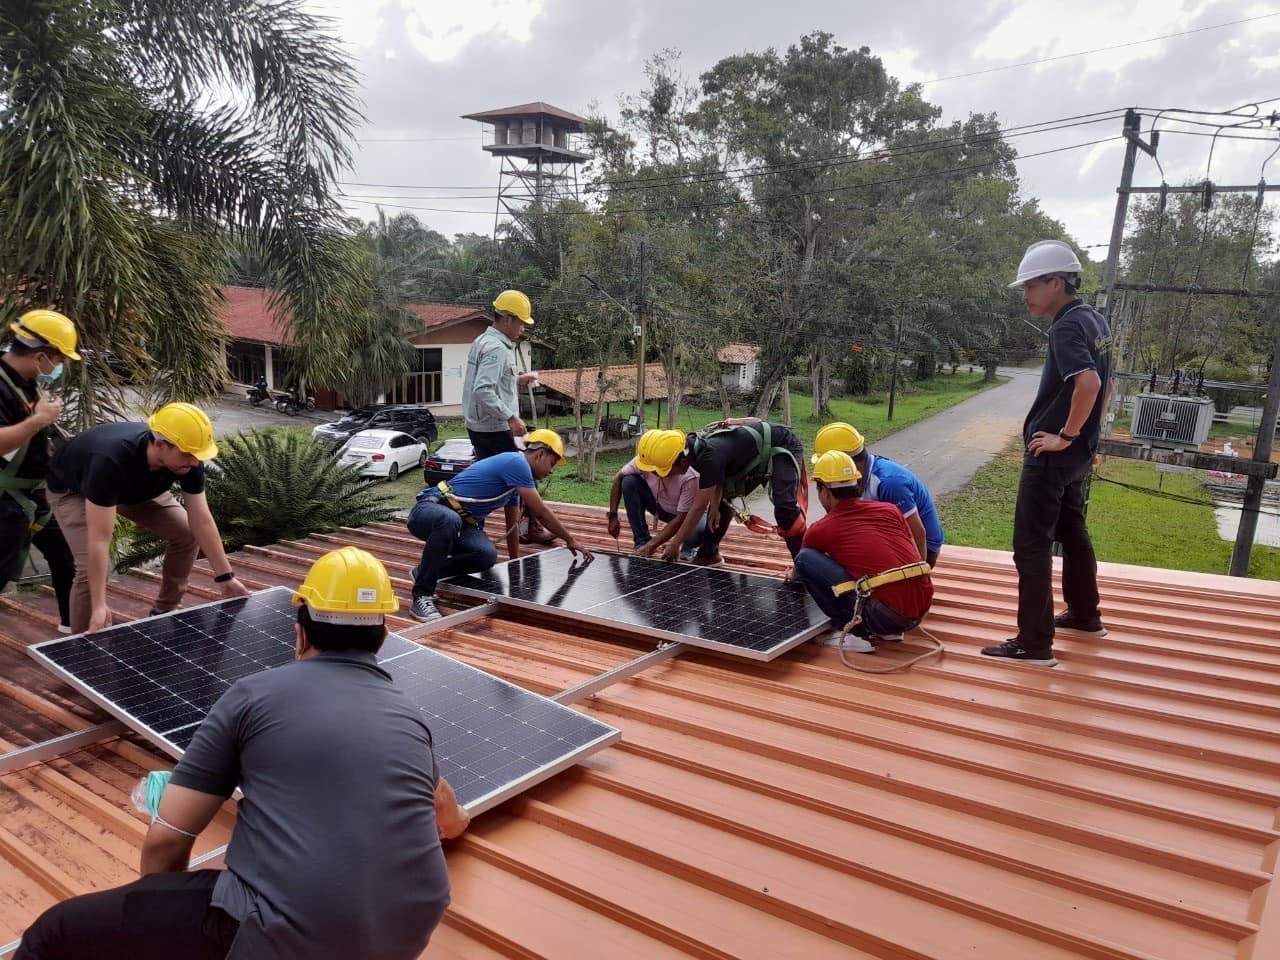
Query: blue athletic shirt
(486,480)
(891,482)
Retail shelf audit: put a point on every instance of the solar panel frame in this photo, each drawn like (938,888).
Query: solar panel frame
(392,657)
(595,614)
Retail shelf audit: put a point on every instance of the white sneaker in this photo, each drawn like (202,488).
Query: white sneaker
(64,628)
(852,642)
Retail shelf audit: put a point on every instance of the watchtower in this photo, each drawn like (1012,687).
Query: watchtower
(535,145)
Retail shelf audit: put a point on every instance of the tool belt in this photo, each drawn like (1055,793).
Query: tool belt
(458,504)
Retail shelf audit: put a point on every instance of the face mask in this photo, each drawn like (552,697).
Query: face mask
(50,378)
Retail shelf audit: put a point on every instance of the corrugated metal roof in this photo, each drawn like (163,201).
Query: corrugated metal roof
(619,383)
(1122,805)
(738,353)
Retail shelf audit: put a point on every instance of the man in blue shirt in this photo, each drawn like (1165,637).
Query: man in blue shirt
(888,482)
(449,518)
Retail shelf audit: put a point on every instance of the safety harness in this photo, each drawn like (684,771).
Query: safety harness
(458,503)
(862,588)
(20,488)
(755,475)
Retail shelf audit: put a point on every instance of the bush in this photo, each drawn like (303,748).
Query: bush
(274,485)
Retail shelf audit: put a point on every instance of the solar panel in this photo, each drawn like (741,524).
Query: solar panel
(163,674)
(743,614)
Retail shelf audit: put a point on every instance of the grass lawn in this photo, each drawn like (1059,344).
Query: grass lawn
(869,417)
(1127,526)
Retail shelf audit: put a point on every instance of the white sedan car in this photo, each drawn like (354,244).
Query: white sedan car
(383,453)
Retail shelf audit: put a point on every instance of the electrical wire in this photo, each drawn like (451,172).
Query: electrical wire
(1178,497)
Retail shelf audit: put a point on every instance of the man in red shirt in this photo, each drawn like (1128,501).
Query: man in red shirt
(860,538)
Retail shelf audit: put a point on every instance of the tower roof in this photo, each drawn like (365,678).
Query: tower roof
(535,109)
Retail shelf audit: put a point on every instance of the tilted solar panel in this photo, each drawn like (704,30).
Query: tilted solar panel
(742,614)
(161,675)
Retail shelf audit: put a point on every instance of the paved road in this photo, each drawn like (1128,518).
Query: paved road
(947,449)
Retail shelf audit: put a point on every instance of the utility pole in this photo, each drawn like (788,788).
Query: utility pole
(642,310)
(1262,454)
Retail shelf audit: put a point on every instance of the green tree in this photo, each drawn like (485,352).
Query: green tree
(140,140)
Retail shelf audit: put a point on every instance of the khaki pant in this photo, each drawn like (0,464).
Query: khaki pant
(163,516)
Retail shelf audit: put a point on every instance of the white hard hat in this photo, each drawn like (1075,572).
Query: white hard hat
(1045,257)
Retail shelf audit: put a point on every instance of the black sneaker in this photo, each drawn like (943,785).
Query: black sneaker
(1067,620)
(1014,650)
(158,611)
(424,608)
(708,559)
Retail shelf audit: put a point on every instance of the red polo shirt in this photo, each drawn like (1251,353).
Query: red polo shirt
(868,537)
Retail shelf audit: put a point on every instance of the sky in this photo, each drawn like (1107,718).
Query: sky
(424,63)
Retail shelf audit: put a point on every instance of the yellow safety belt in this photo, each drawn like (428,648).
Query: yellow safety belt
(864,585)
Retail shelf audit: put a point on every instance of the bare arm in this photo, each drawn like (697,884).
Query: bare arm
(1084,391)
(613,524)
(916,526)
(101,524)
(668,530)
(511,514)
(706,498)
(44,412)
(166,849)
(533,500)
(205,531)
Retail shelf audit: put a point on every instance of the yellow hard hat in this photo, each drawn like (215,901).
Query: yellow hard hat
(348,586)
(658,450)
(836,468)
(515,303)
(548,438)
(837,436)
(48,326)
(187,427)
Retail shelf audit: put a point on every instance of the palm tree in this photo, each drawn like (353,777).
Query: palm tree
(139,141)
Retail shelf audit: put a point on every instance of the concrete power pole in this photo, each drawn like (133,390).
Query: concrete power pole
(1262,454)
(641,313)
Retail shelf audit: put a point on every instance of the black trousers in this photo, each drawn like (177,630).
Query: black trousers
(486,443)
(784,492)
(1051,507)
(15,535)
(158,917)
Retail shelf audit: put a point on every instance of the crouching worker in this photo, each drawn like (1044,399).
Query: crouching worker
(336,847)
(666,492)
(449,517)
(860,538)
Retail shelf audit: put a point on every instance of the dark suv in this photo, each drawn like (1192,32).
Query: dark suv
(407,418)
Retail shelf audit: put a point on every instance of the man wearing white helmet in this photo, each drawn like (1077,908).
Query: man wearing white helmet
(1060,436)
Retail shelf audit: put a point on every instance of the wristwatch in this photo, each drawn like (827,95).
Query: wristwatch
(1067,436)
(224,577)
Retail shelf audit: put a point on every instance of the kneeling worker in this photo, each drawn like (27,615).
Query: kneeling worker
(337,855)
(129,468)
(667,493)
(860,538)
(888,482)
(734,459)
(449,517)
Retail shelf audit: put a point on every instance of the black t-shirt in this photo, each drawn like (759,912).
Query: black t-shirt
(1079,340)
(15,408)
(107,465)
(724,455)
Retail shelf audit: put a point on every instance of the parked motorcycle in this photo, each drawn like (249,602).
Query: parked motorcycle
(293,403)
(258,393)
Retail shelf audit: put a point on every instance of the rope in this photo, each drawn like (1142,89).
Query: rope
(937,651)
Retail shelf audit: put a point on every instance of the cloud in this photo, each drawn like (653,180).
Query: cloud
(426,63)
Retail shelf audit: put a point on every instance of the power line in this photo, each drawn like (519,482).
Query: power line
(1114,46)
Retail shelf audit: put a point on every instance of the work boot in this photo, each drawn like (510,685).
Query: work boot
(1014,650)
(1092,626)
(424,608)
(712,559)
(158,611)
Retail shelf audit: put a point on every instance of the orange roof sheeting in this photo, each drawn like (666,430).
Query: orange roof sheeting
(1123,805)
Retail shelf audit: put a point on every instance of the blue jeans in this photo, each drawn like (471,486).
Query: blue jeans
(819,573)
(639,501)
(450,546)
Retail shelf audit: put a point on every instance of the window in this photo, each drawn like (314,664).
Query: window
(422,383)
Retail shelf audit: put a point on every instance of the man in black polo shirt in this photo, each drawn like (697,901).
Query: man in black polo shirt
(336,849)
(42,341)
(129,468)
(1061,434)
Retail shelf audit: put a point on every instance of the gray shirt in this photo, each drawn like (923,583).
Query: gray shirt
(335,852)
(489,386)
